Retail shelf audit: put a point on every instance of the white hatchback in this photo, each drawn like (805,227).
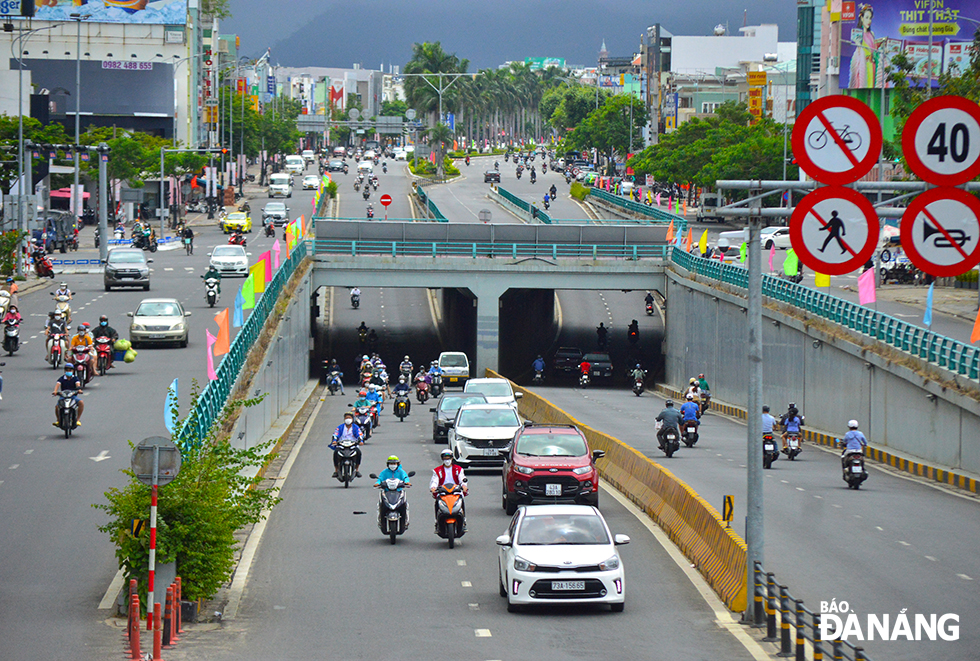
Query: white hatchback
(230,260)
(560,554)
(497,391)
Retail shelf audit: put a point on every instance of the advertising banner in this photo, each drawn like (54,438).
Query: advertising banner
(878,30)
(157,12)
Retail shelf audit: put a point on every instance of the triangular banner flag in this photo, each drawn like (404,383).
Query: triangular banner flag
(258,277)
(223,341)
(275,251)
(866,287)
(248,293)
(210,341)
(169,406)
(670,232)
(238,316)
(821,280)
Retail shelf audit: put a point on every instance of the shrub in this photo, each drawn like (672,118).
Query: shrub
(331,189)
(578,191)
(969,276)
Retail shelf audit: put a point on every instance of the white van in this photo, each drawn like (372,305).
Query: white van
(455,368)
(280,185)
(309,156)
(295,164)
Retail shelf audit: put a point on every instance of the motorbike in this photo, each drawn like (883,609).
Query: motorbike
(690,433)
(237,240)
(375,183)
(68,410)
(518,173)
(188,244)
(583,380)
(422,392)
(649,309)
(42,264)
(98,235)
(467,161)
(384,168)
(633,336)
(120,232)
(854,471)
(361,332)
(357,184)
(73,242)
(393,506)
(638,387)
(82,366)
(547,205)
(769,451)
(11,337)
(367,193)
(211,291)
(402,406)
(534,178)
(538,377)
(57,348)
(363,419)
(568,179)
(793,445)
(705,401)
(669,441)
(270,229)
(62,305)
(355,301)
(346,469)
(103,350)
(333,382)
(450,520)
(370,212)
(436,387)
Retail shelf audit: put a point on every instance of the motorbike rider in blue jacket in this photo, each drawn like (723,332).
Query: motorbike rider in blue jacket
(394,471)
(347,430)
(538,364)
(690,411)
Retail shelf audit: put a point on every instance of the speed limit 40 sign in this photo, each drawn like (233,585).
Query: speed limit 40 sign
(941,140)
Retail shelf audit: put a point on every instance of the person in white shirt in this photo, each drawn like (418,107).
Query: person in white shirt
(447,473)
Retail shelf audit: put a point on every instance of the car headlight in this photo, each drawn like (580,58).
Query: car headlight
(611,563)
(582,470)
(178,326)
(144,271)
(136,327)
(461,439)
(520,564)
(524,470)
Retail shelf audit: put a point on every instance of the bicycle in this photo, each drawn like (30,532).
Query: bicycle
(189,245)
(818,139)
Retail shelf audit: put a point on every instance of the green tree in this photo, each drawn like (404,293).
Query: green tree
(564,108)
(439,136)
(52,134)
(609,129)
(395,108)
(429,57)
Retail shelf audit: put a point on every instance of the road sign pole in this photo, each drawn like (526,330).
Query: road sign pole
(754,530)
(153,536)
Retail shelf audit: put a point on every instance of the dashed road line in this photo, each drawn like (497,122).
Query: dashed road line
(461,563)
(930,558)
(14,467)
(964,577)
(904,543)
(28,451)
(466,584)
(482,633)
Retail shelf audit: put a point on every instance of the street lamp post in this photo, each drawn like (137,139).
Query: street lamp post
(177,63)
(76,196)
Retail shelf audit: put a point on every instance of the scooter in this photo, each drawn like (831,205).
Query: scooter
(422,392)
(4,302)
(62,305)
(538,377)
(583,380)
(370,212)
(769,451)
(436,387)
(11,337)
(402,406)
(211,294)
(690,433)
(270,229)
(56,352)
(363,419)
(237,240)
(120,232)
(450,519)
(547,205)
(103,349)
(42,264)
(82,367)
(649,309)
(793,445)
(393,506)
(669,442)
(854,471)
(518,173)
(68,410)
(333,382)
(355,301)
(346,470)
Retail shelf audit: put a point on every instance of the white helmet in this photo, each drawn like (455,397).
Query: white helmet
(690,397)
(406,358)
(365,358)
(852,424)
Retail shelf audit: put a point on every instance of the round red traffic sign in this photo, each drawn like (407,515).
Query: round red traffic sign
(386,199)
(834,230)
(837,139)
(941,231)
(941,140)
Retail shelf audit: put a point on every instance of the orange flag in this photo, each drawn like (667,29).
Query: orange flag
(690,240)
(223,341)
(289,241)
(670,232)
(975,335)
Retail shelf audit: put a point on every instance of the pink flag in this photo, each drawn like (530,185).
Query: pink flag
(275,251)
(670,204)
(211,340)
(658,199)
(866,287)
(772,253)
(267,258)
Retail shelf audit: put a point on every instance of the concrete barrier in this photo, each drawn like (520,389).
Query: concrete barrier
(691,522)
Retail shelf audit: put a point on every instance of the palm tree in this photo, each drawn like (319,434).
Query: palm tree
(439,135)
(430,58)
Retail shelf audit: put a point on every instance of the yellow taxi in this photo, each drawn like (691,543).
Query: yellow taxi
(237,220)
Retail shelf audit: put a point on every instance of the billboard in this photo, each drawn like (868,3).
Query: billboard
(540,63)
(158,12)
(877,30)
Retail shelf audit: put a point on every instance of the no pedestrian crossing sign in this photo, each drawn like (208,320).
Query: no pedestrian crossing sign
(941,231)
(837,140)
(941,140)
(834,230)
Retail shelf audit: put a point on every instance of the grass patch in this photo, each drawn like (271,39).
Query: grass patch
(579,192)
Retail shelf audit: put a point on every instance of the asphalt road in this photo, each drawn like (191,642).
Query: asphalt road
(57,566)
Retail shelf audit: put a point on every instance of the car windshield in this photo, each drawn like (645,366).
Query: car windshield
(227,251)
(158,309)
(237,215)
(279,179)
(488,418)
(453,403)
(490,389)
(275,206)
(541,530)
(126,258)
(596,358)
(452,361)
(551,445)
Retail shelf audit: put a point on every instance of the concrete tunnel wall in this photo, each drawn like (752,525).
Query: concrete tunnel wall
(831,382)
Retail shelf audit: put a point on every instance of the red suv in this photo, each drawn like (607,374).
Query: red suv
(549,464)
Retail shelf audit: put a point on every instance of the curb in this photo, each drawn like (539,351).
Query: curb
(917,468)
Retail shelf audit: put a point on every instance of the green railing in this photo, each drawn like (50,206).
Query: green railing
(940,350)
(552,251)
(430,205)
(522,205)
(215,395)
(654,214)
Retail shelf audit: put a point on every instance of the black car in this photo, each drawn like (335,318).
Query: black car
(444,413)
(335,165)
(567,359)
(491,176)
(601,364)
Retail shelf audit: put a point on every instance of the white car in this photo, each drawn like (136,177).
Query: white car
(481,431)
(775,236)
(280,185)
(369,155)
(497,391)
(230,260)
(367,167)
(311,182)
(560,554)
(400,153)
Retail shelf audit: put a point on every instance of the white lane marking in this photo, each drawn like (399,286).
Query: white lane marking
(461,563)
(28,451)
(800,489)
(109,598)
(14,467)
(188,268)
(168,268)
(474,607)
(785,481)
(482,633)
(1,481)
(102,456)
(904,543)
(819,497)
(838,506)
(858,516)
(24,342)
(33,337)
(930,558)
(466,584)
(41,438)
(879,527)
(964,577)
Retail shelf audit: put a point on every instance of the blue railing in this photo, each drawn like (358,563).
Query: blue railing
(214,397)
(487,249)
(940,350)
(654,214)
(430,205)
(523,205)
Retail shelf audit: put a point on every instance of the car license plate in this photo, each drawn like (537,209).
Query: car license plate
(453,379)
(491,452)
(157,337)
(552,489)
(567,585)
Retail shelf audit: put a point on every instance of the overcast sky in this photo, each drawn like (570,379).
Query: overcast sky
(375,32)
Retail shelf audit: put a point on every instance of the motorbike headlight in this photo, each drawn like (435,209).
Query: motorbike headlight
(582,470)
(524,470)
(611,563)
(520,564)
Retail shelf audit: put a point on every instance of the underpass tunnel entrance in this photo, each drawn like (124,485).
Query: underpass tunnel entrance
(456,317)
(527,329)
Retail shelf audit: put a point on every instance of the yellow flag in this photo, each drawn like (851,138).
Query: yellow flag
(821,280)
(258,276)
(703,243)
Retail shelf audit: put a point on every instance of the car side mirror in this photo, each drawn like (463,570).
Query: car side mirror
(373,476)
(518,395)
(411,473)
(129,314)
(188,313)
(149,261)
(432,410)
(620,540)
(598,454)
(248,254)
(209,254)
(504,540)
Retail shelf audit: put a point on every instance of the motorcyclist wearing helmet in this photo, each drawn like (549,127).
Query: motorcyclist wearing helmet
(393,471)
(63,290)
(648,299)
(854,442)
(671,418)
(791,422)
(434,369)
(69,381)
(446,473)
(638,373)
(82,342)
(12,315)
(406,366)
(213,272)
(633,332)
(362,400)
(402,387)
(106,331)
(374,396)
(693,390)
(690,412)
(347,430)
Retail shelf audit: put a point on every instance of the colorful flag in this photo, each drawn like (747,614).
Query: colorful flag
(690,240)
(289,241)
(211,340)
(975,335)
(927,317)
(248,293)
(821,280)
(866,287)
(257,271)
(266,258)
(223,341)
(670,232)
(658,199)
(791,265)
(238,316)
(703,243)
(772,253)
(170,406)
(275,251)
(743,252)
(670,204)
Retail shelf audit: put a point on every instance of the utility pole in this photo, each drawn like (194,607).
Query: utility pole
(103,156)
(754,529)
(76,196)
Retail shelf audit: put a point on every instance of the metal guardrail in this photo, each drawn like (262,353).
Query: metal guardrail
(950,354)
(524,206)
(655,214)
(552,251)
(771,598)
(430,205)
(214,397)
